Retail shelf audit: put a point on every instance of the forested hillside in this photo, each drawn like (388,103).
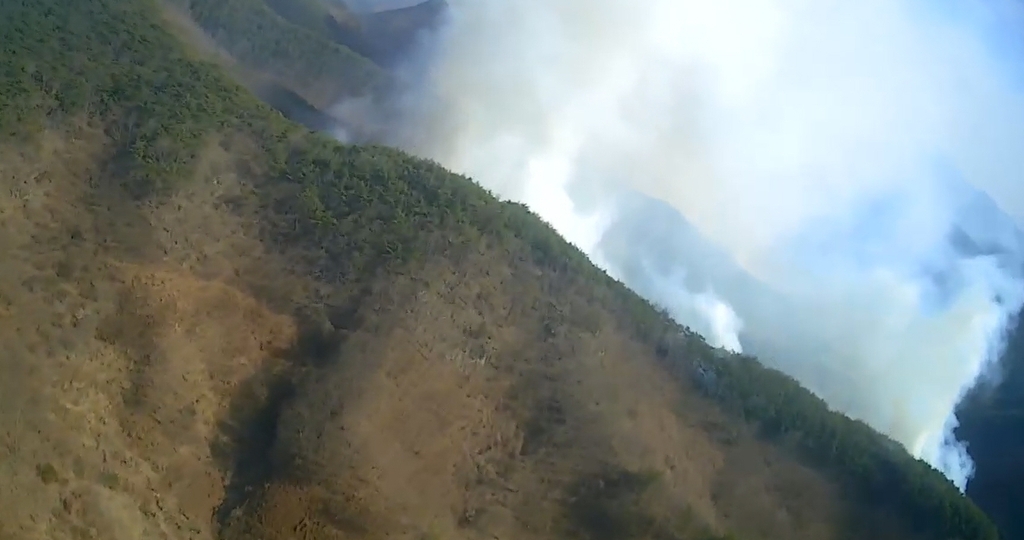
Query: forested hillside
(218,324)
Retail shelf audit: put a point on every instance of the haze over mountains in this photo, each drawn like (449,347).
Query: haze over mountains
(840,155)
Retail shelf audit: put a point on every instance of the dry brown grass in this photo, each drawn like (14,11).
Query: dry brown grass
(472,433)
(167,373)
(123,343)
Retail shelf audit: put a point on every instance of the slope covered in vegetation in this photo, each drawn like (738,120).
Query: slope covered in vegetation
(296,51)
(219,323)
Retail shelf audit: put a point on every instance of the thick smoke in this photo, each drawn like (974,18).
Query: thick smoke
(832,185)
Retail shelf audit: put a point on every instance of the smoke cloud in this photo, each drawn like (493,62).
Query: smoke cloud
(833,186)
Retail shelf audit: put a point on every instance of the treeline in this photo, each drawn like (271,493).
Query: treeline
(361,210)
(877,467)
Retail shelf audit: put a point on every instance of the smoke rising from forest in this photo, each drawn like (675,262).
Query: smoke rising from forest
(833,186)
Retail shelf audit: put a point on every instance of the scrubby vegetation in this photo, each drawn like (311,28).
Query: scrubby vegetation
(866,460)
(366,210)
(613,505)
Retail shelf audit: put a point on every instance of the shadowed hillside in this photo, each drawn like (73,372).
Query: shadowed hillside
(220,325)
(992,423)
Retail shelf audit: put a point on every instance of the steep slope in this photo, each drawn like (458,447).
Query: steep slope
(217,324)
(992,423)
(297,52)
(381,33)
(303,57)
(265,85)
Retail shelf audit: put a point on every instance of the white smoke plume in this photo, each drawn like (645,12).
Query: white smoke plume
(844,180)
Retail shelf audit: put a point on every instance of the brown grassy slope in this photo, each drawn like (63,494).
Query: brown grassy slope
(123,346)
(167,371)
(460,415)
